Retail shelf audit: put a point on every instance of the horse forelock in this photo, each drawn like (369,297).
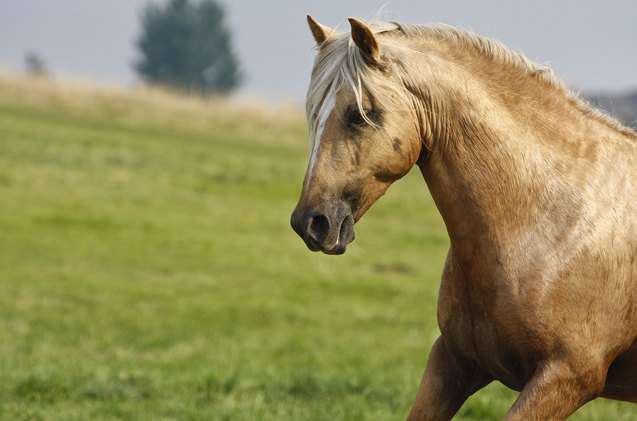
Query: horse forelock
(339,64)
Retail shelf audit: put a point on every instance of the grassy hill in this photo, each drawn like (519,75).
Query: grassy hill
(147,270)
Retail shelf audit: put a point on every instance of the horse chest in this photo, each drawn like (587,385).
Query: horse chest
(474,325)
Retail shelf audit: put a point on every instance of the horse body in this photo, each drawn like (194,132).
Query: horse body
(527,280)
(538,194)
(543,260)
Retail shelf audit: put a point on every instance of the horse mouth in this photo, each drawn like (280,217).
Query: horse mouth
(320,233)
(345,236)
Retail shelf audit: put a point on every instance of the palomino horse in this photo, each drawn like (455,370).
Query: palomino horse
(538,193)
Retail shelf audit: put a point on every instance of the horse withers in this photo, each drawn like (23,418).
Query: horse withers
(538,192)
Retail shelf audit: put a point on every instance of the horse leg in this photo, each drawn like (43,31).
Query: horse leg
(557,389)
(446,384)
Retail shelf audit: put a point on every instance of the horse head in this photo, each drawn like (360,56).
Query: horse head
(364,134)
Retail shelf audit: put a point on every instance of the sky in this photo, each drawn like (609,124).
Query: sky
(592,45)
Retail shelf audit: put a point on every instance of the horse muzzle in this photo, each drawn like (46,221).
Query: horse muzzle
(328,228)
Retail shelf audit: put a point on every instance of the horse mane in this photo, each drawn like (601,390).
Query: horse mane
(340,62)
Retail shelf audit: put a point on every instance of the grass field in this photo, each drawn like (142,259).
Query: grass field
(148,271)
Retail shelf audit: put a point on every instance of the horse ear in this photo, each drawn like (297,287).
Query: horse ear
(364,39)
(319,32)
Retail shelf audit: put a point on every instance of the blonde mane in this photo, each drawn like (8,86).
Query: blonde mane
(340,63)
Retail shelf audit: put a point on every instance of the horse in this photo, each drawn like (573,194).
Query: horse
(537,190)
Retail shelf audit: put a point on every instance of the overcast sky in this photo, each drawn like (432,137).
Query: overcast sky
(591,44)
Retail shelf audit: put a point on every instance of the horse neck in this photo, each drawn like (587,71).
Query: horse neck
(507,146)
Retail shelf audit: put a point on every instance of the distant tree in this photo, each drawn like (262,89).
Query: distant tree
(34,65)
(186,45)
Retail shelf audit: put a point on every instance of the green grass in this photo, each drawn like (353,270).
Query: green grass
(147,271)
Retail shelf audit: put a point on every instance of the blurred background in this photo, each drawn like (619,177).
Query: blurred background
(591,46)
(151,153)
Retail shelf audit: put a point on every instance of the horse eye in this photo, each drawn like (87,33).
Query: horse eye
(355,118)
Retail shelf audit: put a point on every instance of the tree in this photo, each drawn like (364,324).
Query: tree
(34,65)
(186,45)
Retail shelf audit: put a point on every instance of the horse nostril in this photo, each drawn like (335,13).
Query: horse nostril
(319,228)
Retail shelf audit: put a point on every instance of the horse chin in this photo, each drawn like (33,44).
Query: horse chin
(339,249)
